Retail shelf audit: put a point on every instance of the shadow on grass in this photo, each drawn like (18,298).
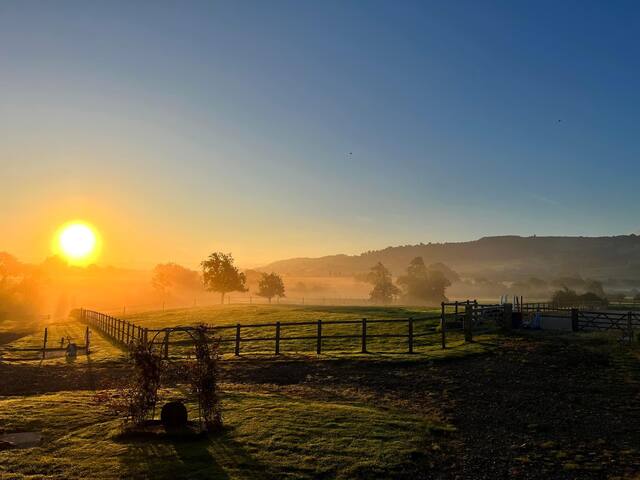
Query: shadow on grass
(164,456)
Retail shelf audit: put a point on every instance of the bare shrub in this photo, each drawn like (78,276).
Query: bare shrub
(203,378)
(136,399)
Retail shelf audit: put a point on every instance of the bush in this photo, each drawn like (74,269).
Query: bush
(569,298)
(136,400)
(203,377)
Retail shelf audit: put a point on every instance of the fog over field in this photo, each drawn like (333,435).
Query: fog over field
(485,269)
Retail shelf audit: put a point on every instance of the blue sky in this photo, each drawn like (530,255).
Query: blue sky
(277,129)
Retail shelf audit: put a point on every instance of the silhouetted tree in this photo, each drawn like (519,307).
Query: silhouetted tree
(270,286)
(219,274)
(450,275)
(171,275)
(423,285)
(383,290)
(594,286)
(569,298)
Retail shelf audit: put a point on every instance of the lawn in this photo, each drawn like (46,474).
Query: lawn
(267,435)
(525,405)
(348,336)
(102,349)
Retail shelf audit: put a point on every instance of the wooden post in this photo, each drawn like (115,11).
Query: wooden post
(443,327)
(166,344)
(277,338)
(410,335)
(44,343)
(630,326)
(145,336)
(364,335)
(87,341)
(238,340)
(575,325)
(475,311)
(468,323)
(319,338)
(507,320)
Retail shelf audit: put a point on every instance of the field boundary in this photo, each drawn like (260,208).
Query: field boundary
(469,318)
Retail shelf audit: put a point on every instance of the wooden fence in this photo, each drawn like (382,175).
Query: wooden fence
(47,347)
(405,334)
(627,322)
(581,320)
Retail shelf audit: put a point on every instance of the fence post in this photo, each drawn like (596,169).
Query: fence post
(237,340)
(145,336)
(574,320)
(443,327)
(277,338)
(319,338)
(468,323)
(507,320)
(44,343)
(410,335)
(630,326)
(364,335)
(166,344)
(86,341)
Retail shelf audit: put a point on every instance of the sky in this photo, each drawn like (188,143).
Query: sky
(282,129)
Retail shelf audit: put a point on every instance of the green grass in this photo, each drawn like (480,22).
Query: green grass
(267,435)
(426,336)
(232,314)
(101,348)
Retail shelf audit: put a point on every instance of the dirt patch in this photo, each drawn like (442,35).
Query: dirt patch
(21,439)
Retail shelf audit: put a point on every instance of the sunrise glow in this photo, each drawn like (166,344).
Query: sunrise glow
(77,242)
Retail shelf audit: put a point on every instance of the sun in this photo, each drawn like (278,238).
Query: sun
(78,242)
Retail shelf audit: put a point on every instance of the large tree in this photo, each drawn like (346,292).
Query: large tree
(270,286)
(423,285)
(383,290)
(168,276)
(219,274)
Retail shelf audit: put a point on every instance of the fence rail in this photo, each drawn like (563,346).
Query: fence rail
(45,348)
(627,322)
(326,335)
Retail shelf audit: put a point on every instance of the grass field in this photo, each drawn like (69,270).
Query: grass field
(103,350)
(521,406)
(425,327)
(267,435)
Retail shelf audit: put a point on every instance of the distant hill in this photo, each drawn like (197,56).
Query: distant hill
(499,258)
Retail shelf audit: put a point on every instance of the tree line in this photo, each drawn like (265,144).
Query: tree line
(420,284)
(219,274)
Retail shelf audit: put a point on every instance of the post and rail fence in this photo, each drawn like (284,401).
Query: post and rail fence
(456,322)
(407,334)
(48,348)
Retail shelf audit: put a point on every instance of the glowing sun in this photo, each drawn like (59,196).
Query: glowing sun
(78,242)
